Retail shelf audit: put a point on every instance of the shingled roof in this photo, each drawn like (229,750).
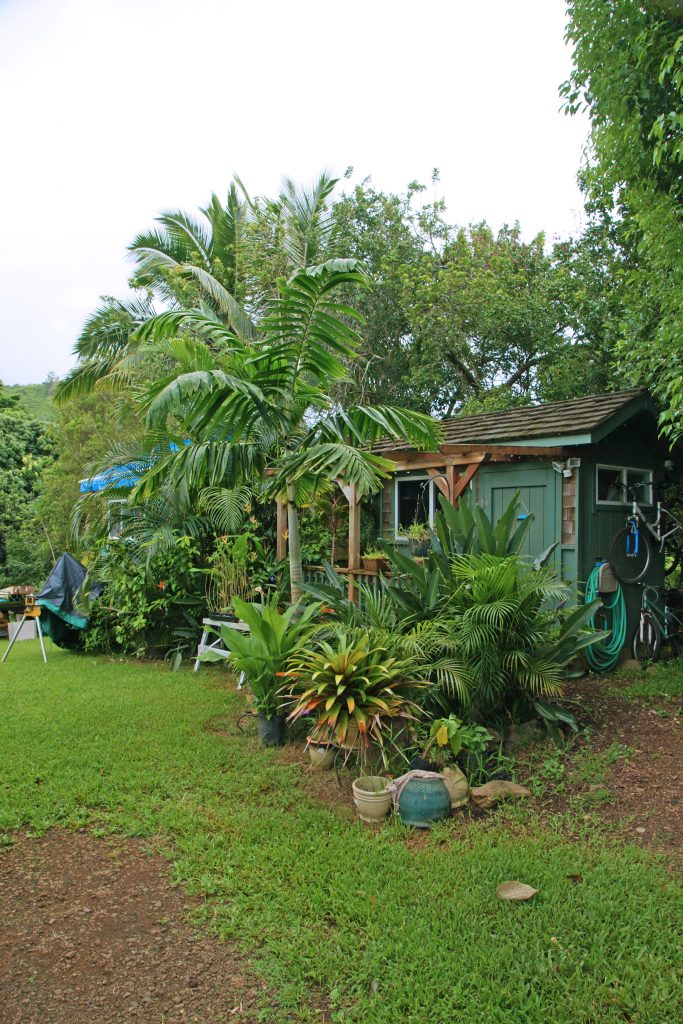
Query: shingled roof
(553,419)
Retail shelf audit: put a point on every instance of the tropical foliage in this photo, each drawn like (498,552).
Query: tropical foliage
(27,449)
(628,75)
(261,407)
(352,688)
(153,609)
(489,628)
(263,652)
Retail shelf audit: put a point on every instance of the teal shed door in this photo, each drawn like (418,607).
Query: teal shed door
(537,486)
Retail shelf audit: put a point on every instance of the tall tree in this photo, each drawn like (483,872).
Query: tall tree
(27,447)
(262,409)
(628,75)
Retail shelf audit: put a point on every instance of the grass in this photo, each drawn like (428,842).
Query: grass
(386,930)
(663,680)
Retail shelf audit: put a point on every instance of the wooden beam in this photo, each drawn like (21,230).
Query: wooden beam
(463,455)
(281,531)
(426,461)
(464,480)
(452,477)
(440,481)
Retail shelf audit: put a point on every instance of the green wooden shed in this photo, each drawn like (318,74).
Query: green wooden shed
(570,462)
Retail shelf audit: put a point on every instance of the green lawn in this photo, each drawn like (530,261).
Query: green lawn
(322,904)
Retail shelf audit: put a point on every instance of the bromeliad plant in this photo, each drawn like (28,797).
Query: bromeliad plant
(354,690)
(262,654)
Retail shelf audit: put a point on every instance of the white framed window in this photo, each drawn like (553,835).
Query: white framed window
(119,514)
(618,485)
(414,501)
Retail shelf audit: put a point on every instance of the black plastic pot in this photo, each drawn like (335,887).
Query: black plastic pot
(420,764)
(271,731)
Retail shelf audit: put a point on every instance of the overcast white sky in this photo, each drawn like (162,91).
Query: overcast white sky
(112,110)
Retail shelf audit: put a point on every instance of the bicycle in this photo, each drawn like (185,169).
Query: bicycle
(656,626)
(631,549)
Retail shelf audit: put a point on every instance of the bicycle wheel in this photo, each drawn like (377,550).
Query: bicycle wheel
(647,639)
(628,565)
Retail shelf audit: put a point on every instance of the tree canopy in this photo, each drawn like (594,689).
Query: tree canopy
(628,75)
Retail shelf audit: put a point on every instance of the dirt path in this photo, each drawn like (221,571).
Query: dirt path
(640,795)
(92,932)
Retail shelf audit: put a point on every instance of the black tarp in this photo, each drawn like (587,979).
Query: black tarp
(59,619)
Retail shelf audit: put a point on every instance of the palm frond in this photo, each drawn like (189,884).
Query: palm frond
(225,303)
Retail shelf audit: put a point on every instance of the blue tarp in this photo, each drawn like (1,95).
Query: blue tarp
(119,476)
(122,476)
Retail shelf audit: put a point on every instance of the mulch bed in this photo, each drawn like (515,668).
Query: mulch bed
(93,932)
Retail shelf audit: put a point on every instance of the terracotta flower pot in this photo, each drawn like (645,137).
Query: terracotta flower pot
(371,798)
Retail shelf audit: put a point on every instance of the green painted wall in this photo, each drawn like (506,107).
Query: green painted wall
(636,445)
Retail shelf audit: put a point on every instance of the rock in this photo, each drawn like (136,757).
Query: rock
(487,796)
(521,736)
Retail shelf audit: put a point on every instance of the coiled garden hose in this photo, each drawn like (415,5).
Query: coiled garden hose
(604,655)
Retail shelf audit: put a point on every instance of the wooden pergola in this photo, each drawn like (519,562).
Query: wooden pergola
(452,468)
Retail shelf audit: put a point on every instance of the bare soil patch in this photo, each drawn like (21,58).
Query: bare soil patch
(640,794)
(93,932)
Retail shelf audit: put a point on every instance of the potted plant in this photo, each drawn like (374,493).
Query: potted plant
(322,755)
(262,655)
(353,690)
(375,560)
(417,536)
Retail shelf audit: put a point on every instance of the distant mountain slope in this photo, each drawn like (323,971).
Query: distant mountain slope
(33,398)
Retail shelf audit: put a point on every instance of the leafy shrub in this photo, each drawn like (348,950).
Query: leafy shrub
(262,654)
(147,609)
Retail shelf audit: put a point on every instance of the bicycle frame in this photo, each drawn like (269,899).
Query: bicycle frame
(664,616)
(655,527)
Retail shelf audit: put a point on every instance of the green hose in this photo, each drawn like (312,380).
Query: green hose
(604,655)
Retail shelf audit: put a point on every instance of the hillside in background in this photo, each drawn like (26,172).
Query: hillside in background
(34,399)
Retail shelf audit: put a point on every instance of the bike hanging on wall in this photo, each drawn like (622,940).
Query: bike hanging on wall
(632,546)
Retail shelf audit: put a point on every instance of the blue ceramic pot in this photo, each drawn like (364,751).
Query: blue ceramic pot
(424,801)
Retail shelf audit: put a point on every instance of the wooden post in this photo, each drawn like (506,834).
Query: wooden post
(350,491)
(281,531)
(452,477)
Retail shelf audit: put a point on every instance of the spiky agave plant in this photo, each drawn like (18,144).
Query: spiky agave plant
(352,688)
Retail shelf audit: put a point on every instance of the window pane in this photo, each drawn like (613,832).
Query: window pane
(413,502)
(639,485)
(609,485)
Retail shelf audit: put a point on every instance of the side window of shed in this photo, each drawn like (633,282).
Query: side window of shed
(617,485)
(609,484)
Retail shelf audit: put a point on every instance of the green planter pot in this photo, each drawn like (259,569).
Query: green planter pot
(271,731)
(424,801)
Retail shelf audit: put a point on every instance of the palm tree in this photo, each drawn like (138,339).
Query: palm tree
(261,408)
(189,261)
